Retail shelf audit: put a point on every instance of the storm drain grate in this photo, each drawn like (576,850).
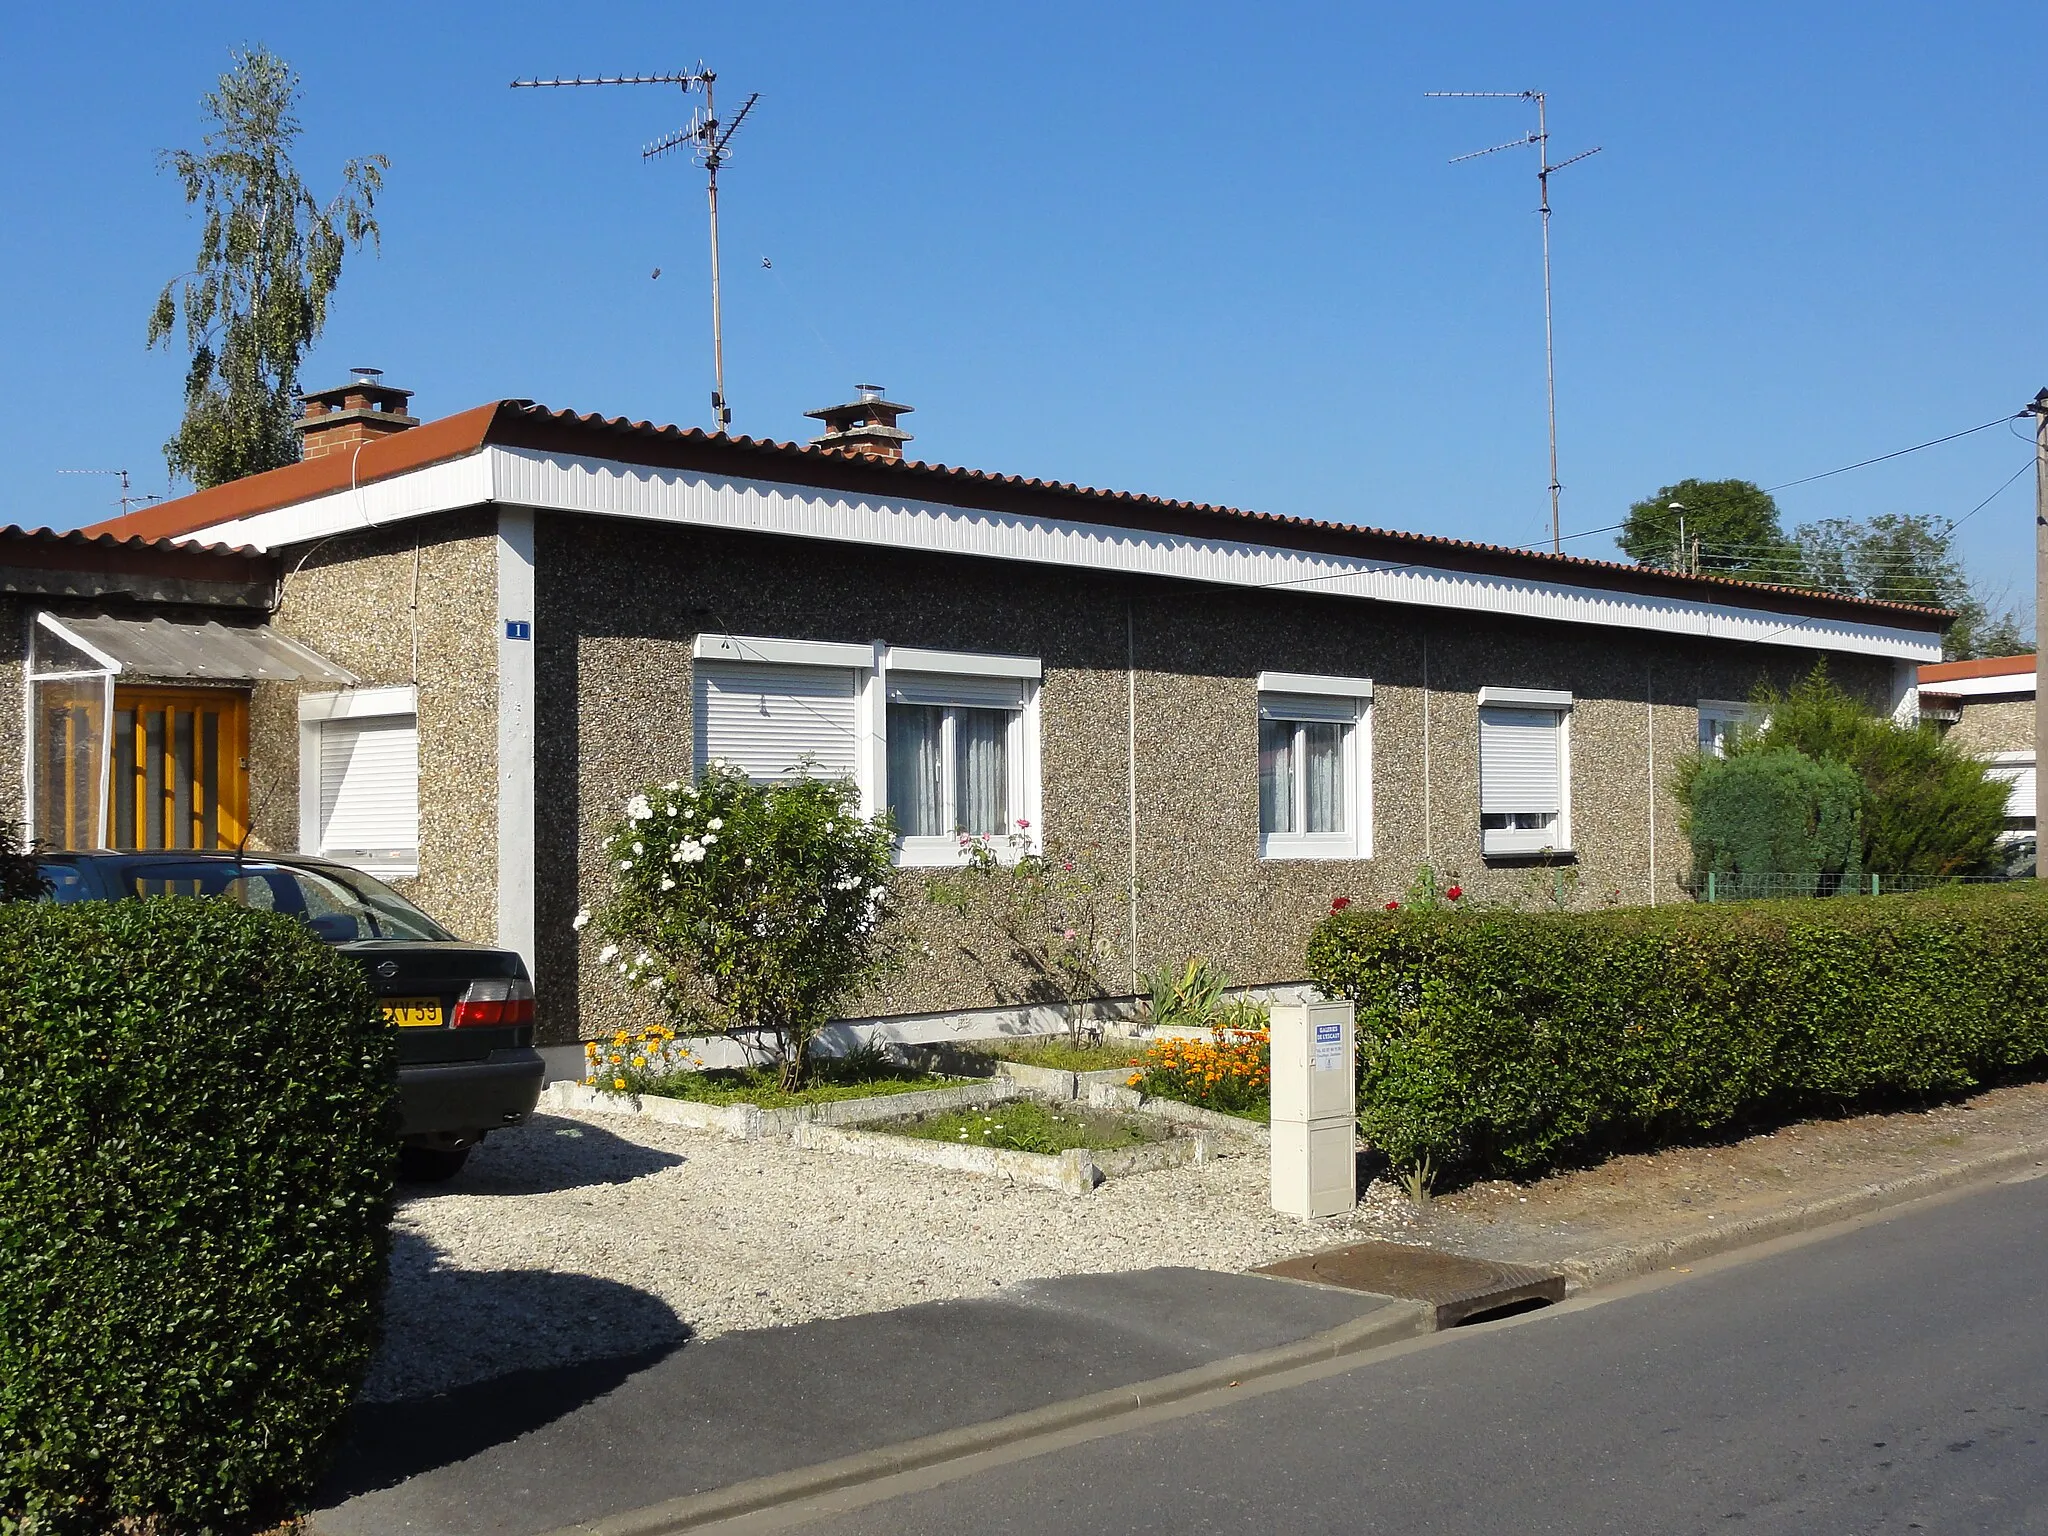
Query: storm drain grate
(1458,1287)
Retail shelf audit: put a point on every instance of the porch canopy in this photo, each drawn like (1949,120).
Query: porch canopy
(160,649)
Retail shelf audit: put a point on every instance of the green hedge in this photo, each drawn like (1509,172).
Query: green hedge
(196,1154)
(1505,1041)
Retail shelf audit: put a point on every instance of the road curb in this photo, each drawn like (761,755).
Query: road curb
(1628,1261)
(1390,1324)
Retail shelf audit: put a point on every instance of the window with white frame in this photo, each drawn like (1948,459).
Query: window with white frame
(955,745)
(1524,771)
(359,778)
(946,741)
(1314,757)
(1720,722)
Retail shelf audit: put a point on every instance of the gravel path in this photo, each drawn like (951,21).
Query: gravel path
(579,1236)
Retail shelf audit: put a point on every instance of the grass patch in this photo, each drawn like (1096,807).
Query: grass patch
(1029,1125)
(1259,1111)
(1059,1054)
(831,1080)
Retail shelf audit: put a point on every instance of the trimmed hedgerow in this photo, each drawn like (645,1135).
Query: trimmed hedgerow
(1507,1041)
(197,1139)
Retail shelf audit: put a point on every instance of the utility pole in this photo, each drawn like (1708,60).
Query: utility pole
(2038,409)
(711,140)
(1544,166)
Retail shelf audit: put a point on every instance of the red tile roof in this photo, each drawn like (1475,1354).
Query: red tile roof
(86,549)
(521,423)
(1985,666)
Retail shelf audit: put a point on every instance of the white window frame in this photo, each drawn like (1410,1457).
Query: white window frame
(1345,701)
(871,664)
(1514,842)
(1734,714)
(315,710)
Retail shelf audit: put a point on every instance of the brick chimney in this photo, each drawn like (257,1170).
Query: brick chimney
(866,426)
(360,411)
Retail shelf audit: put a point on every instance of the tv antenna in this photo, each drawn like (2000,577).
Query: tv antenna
(711,140)
(1544,166)
(140,498)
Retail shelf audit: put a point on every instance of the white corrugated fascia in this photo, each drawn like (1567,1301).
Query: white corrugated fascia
(611,488)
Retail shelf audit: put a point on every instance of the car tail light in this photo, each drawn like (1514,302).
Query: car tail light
(494,1004)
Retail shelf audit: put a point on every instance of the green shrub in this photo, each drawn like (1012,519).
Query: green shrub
(1510,1041)
(1777,812)
(20,880)
(1929,808)
(749,908)
(197,1141)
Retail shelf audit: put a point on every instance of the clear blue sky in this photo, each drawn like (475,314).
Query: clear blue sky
(1204,251)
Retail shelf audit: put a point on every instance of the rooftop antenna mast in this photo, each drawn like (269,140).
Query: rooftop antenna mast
(711,139)
(1544,166)
(140,498)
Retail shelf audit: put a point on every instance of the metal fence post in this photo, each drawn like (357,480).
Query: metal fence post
(1710,887)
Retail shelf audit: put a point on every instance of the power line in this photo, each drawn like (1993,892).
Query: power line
(1900,453)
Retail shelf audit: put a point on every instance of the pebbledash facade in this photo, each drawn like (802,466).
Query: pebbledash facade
(1245,716)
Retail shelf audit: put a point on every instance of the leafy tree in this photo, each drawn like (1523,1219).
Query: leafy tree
(1928,808)
(1734,521)
(269,257)
(1908,558)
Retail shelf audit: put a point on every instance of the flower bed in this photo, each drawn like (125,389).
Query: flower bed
(657,1061)
(1030,1125)
(1230,1071)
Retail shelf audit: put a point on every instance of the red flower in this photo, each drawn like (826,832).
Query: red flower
(1339,903)
(1454,893)
(1393,906)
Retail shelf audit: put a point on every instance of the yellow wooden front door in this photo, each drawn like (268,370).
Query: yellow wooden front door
(179,775)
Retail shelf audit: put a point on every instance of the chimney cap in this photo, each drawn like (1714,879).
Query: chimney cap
(866,425)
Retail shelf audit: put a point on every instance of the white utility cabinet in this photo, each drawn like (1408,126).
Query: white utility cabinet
(1315,1108)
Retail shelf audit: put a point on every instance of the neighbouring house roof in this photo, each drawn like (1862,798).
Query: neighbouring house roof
(1984,666)
(521,424)
(90,563)
(1985,677)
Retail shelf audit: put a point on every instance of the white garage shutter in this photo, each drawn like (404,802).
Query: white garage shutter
(1520,762)
(775,722)
(370,786)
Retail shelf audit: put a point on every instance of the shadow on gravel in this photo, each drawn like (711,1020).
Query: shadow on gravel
(390,1442)
(473,1358)
(546,1155)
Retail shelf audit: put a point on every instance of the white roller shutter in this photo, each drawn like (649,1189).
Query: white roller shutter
(775,721)
(1520,761)
(960,692)
(370,786)
(2019,779)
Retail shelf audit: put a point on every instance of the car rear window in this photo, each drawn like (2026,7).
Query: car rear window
(341,910)
(64,882)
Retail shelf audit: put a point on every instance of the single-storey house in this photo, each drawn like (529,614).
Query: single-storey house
(1986,707)
(530,614)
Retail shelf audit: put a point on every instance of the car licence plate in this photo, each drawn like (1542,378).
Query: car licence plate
(413,1012)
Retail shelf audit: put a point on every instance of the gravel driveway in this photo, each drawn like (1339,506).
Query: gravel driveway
(580,1236)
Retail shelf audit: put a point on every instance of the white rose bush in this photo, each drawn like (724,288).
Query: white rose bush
(757,911)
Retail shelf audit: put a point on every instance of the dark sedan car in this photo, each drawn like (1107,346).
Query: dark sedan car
(464,1012)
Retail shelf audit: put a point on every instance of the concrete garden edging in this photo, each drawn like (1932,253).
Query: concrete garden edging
(749,1122)
(1118,1096)
(1075,1173)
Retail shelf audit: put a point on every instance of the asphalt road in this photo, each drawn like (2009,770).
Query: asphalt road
(1891,1378)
